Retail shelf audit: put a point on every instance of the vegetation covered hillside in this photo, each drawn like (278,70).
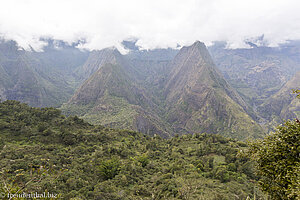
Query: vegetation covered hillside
(43,151)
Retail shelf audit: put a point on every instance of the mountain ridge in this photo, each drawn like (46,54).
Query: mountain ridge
(151,108)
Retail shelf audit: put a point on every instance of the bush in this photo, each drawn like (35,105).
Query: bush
(109,169)
(278,161)
(143,159)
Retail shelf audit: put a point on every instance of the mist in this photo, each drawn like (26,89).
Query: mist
(156,24)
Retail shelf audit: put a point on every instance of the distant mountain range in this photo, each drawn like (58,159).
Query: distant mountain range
(234,92)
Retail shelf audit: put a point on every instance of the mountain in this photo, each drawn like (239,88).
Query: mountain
(37,78)
(161,91)
(166,96)
(198,99)
(282,105)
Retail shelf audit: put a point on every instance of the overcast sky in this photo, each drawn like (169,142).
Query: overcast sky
(157,23)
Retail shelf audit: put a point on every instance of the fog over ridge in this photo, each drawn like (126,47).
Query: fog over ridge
(156,24)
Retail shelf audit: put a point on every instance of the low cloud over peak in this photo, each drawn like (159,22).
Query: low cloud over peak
(156,24)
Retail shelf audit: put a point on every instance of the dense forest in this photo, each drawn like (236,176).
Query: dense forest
(44,151)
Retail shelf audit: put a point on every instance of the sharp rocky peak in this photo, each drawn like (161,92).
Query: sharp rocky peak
(195,54)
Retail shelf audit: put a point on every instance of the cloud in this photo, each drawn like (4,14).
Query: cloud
(157,23)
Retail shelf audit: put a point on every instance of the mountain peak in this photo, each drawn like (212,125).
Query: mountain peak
(198,44)
(199,49)
(191,59)
(193,64)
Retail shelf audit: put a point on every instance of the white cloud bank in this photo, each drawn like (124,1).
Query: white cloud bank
(157,23)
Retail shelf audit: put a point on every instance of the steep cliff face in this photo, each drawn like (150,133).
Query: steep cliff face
(193,66)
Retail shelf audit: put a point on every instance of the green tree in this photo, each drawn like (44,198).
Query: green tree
(143,159)
(109,168)
(278,161)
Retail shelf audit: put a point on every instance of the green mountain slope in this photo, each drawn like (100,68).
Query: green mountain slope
(41,150)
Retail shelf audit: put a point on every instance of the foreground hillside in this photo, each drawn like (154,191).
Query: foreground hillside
(41,150)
